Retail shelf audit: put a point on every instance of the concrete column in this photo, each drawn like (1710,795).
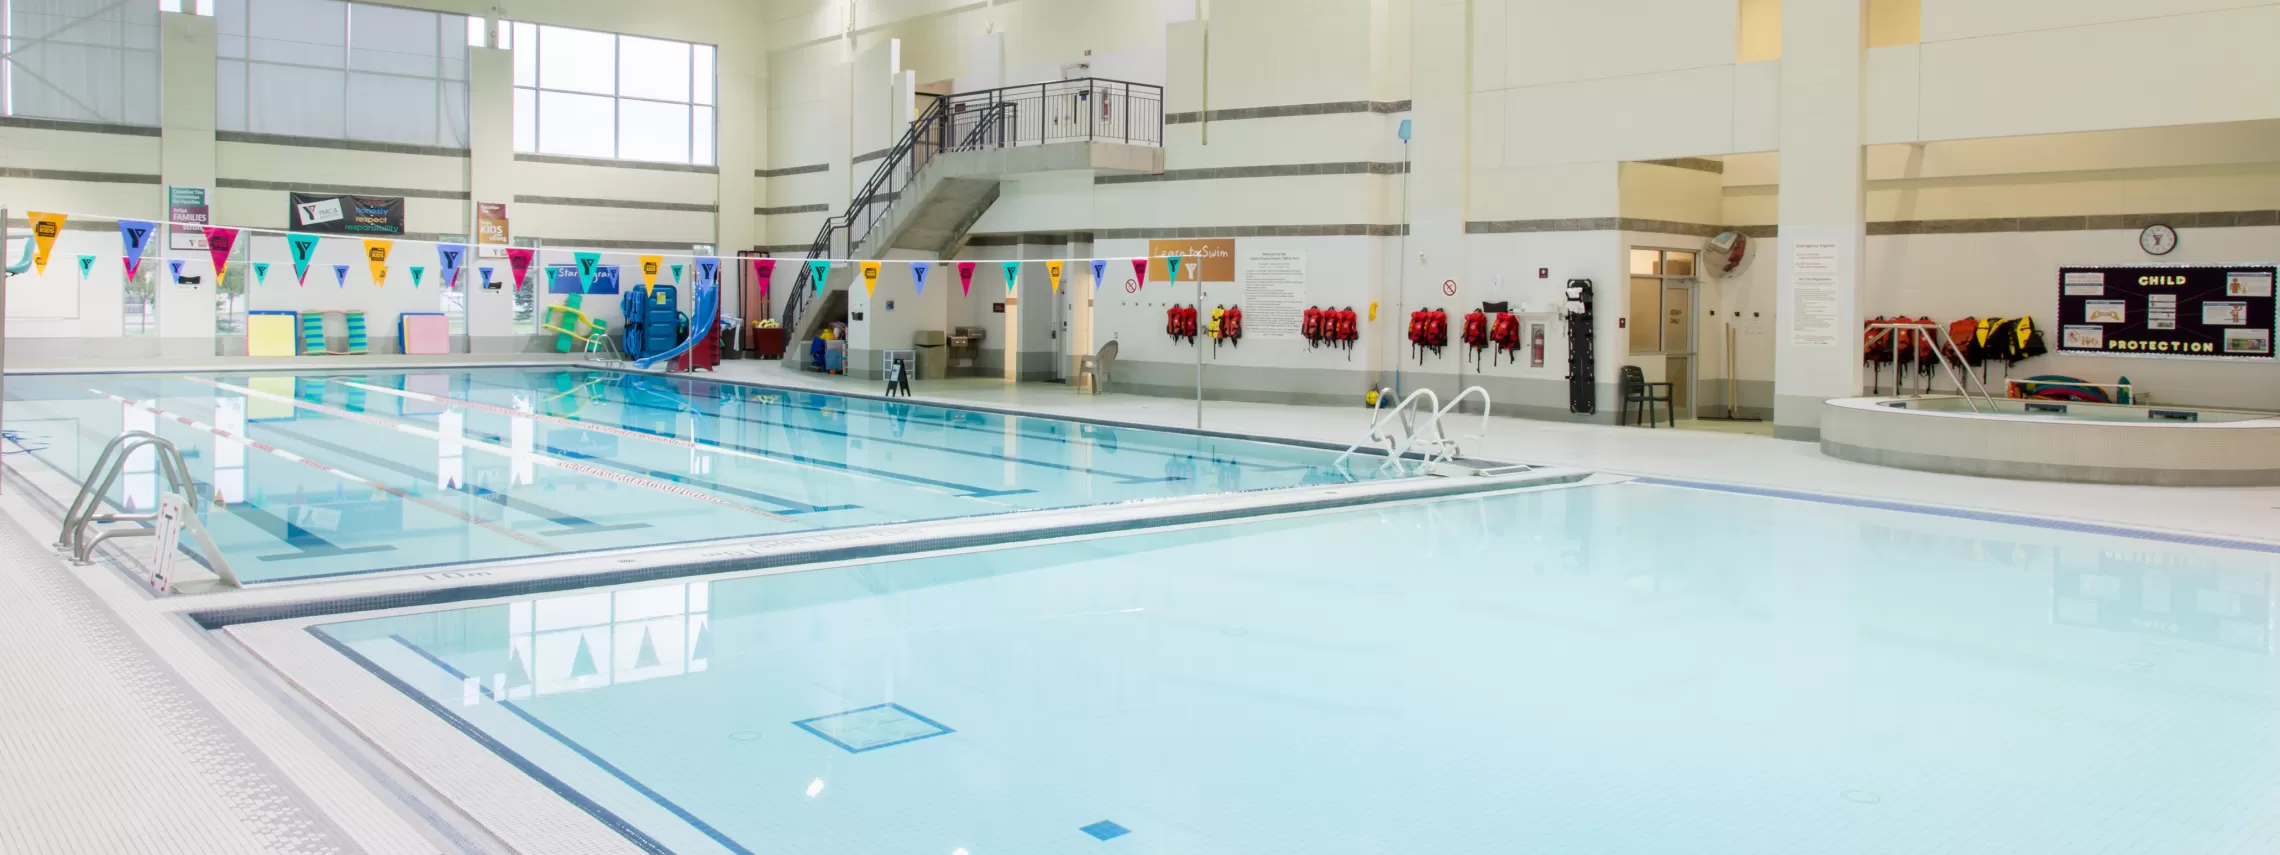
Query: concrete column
(490,165)
(742,147)
(1432,259)
(186,158)
(1823,220)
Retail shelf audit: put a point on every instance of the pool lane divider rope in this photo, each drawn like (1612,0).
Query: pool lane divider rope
(529,540)
(535,457)
(597,428)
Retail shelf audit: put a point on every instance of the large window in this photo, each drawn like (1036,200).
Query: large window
(587,94)
(79,60)
(335,70)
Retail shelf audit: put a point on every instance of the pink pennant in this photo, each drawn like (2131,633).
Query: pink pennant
(219,242)
(1140,269)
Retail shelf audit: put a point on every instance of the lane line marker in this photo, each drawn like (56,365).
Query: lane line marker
(534,456)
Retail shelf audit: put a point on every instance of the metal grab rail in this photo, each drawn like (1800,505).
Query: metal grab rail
(82,518)
(1426,436)
(1943,347)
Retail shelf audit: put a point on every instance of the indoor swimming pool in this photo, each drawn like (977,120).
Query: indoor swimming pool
(316,475)
(1636,667)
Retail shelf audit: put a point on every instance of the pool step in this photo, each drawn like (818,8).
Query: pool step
(1468,468)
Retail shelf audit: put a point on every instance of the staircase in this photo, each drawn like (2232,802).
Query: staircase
(946,170)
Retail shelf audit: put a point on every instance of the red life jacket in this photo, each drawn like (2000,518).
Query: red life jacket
(1437,329)
(1876,345)
(1172,322)
(1311,326)
(1505,333)
(1348,330)
(1417,327)
(1231,325)
(1476,330)
(1188,322)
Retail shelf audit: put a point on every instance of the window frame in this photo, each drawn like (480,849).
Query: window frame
(708,99)
(446,37)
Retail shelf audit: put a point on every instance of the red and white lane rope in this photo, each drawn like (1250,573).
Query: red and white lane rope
(257,445)
(533,456)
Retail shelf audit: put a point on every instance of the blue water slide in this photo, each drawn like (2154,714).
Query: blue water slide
(704,322)
(22,264)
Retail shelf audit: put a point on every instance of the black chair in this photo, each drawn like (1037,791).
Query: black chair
(1636,390)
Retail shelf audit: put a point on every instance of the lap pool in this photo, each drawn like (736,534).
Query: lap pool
(1637,667)
(306,476)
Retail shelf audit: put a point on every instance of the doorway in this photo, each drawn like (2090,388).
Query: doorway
(1664,294)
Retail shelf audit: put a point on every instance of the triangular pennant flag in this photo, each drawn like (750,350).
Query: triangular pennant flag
(1172,266)
(416,272)
(649,265)
(219,242)
(965,277)
(450,257)
(261,273)
(86,265)
(1012,275)
(708,272)
(340,274)
(485,272)
(518,263)
(1140,271)
(45,229)
(588,264)
(304,249)
(135,234)
(376,255)
(1053,270)
(763,269)
(175,265)
(818,270)
(870,278)
(1100,272)
(918,275)
(676,274)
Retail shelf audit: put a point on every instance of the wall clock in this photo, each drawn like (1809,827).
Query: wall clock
(2157,239)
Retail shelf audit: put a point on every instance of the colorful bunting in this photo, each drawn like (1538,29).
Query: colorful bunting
(649,265)
(304,249)
(763,269)
(175,265)
(589,263)
(676,274)
(918,275)
(708,272)
(340,274)
(1140,271)
(416,271)
(1100,272)
(376,255)
(219,242)
(451,256)
(818,269)
(485,272)
(1012,275)
(518,263)
(136,235)
(965,278)
(1053,269)
(86,265)
(261,273)
(1172,265)
(45,229)
(870,278)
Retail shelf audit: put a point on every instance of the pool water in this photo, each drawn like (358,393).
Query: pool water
(1624,668)
(317,475)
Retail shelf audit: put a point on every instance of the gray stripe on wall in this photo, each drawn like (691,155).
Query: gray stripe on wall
(79,225)
(344,145)
(1698,164)
(1280,170)
(1592,224)
(791,170)
(69,175)
(785,248)
(616,164)
(2094,222)
(341,190)
(871,155)
(1322,109)
(1325,230)
(77,127)
(1032,239)
(615,243)
(619,203)
(792,209)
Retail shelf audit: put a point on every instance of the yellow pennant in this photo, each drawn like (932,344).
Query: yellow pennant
(870,278)
(376,252)
(649,265)
(1053,269)
(45,228)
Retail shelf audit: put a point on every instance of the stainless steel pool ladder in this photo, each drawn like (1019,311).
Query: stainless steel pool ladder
(84,526)
(1405,428)
(1944,347)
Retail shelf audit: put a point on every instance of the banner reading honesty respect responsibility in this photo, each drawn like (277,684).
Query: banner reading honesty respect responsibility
(345,215)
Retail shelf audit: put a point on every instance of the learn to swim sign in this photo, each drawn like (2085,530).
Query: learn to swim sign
(2208,311)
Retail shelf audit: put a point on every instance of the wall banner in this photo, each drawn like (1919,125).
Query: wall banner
(350,215)
(1200,260)
(492,234)
(2207,311)
(188,207)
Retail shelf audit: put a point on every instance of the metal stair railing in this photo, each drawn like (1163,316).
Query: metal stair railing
(1403,431)
(1944,347)
(85,526)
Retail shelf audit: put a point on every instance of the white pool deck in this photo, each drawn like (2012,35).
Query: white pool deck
(125,729)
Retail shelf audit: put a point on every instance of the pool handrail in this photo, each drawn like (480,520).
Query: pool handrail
(82,517)
(1943,346)
(1427,435)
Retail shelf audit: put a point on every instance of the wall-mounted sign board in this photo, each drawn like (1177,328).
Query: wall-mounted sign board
(2206,311)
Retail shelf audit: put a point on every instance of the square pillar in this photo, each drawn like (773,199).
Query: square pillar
(1823,218)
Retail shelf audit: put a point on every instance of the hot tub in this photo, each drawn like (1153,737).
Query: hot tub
(2058,441)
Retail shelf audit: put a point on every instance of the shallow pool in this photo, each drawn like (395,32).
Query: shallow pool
(326,474)
(1630,668)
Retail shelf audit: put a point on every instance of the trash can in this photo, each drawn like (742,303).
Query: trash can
(933,355)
